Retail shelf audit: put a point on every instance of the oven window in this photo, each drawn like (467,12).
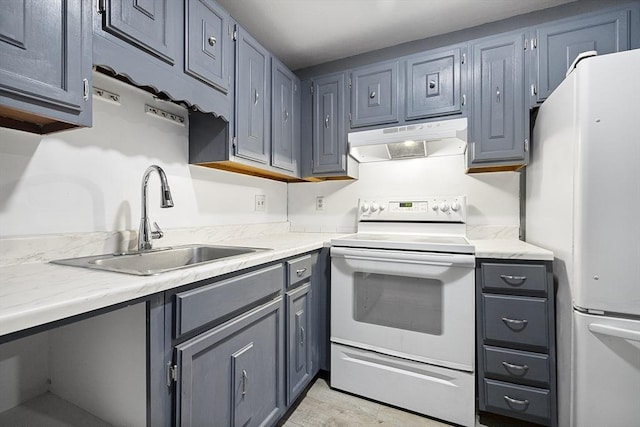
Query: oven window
(407,303)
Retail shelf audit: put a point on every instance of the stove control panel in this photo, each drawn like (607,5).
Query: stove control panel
(413,209)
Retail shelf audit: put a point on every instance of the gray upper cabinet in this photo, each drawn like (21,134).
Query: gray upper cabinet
(329,130)
(433,84)
(45,65)
(374,94)
(208,55)
(560,43)
(252,99)
(233,375)
(499,123)
(143,23)
(285,118)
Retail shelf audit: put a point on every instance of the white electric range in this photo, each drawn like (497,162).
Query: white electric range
(403,307)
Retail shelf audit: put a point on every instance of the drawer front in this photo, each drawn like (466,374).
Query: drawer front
(520,401)
(516,366)
(520,320)
(218,300)
(521,277)
(300,269)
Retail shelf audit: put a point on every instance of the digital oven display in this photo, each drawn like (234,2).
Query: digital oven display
(406,204)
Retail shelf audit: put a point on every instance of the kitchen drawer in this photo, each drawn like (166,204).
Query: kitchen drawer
(520,320)
(518,401)
(218,300)
(510,277)
(516,366)
(300,269)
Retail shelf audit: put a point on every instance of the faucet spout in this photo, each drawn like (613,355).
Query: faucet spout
(145,235)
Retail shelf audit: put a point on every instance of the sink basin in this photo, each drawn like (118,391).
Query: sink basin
(159,260)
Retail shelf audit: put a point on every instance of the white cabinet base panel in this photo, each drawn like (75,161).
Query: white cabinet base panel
(430,390)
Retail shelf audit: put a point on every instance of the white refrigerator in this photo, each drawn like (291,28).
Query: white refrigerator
(583,203)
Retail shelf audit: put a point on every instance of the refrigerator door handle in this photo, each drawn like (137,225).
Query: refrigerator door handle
(626,334)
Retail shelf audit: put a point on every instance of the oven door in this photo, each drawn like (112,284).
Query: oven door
(414,305)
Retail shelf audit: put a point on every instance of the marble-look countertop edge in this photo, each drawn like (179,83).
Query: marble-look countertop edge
(26,301)
(510,249)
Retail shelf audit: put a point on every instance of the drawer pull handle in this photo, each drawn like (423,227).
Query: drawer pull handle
(521,370)
(300,272)
(513,280)
(521,405)
(515,324)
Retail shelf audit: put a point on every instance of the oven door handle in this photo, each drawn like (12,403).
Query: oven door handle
(407,257)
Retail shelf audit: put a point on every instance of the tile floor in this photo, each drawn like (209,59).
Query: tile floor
(323,406)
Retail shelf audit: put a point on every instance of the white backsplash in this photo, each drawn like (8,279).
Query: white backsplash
(88,180)
(492,198)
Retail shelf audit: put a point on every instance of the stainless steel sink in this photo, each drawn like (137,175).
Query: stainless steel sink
(157,261)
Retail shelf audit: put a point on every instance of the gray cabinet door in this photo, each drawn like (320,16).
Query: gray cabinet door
(233,375)
(329,132)
(252,99)
(143,23)
(285,117)
(209,52)
(433,84)
(298,340)
(499,117)
(560,43)
(374,94)
(45,60)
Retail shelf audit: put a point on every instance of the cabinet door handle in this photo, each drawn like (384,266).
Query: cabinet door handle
(286,115)
(301,336)
(522,369)
(513,280)
(515,324)
(523,404)
(497,94)
(300,272)
(245,381)
(464,99)
(326,122)
(256,96)
(372,94)
(212,41)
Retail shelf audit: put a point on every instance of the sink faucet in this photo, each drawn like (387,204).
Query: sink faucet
(145,234)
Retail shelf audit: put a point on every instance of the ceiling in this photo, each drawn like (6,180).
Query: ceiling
(303,33)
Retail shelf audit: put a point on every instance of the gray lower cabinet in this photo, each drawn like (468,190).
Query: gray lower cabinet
(558,44)
(516,353)
(252,99)
(433,83)
(298,340)
(374,94)
(232,375)
(45,65)
(285,118)
(208,47)
(499,125)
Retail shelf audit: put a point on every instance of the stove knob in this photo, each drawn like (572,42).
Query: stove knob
(435,207)
(381,208)
(365,207)
(444,207)
(455,206)
(374,207)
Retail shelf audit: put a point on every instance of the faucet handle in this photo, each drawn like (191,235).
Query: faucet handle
(157,233)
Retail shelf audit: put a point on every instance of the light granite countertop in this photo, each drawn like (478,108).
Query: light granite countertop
(34,292)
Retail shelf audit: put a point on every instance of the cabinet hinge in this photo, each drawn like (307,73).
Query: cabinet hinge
(85,89)
(172,374)
(464,58)
(311,89)
(534,90)
(349,116)
(234,145)
(349,82)
(526,145)
(100,6)
(534,43)
(235,35)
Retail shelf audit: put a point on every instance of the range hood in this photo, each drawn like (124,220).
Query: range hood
(430,139)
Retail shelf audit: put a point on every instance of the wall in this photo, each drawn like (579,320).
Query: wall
(86,180)
(492,198)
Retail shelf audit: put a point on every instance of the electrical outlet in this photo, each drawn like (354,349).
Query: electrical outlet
(261,202)
(319,203)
